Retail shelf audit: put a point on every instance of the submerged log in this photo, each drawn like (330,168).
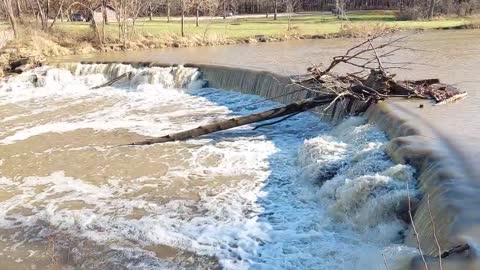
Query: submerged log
(112,81)
(292,108)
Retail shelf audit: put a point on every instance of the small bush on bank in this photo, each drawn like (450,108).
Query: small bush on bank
(361,30)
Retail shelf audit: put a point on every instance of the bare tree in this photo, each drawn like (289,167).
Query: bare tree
(168,10)
(206,6)
(59,11)
(44,8)
(340,6)
(275,9)
(182,3)
(19,10)
(90,6)
(150,10)
(432,9)
(224,4)
(7,7)
(127,13)
(196,5)
(290,7)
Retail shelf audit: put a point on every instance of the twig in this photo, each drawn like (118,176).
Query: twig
(276,122)
(347,57)
(385,261)
(419,247)
(363,43)
(435,233)
(380,65)
(335,100)
(269,99)
(455,250)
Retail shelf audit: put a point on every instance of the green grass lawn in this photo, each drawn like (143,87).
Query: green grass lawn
(249,27)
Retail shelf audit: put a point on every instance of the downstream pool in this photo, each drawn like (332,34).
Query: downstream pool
(301,194)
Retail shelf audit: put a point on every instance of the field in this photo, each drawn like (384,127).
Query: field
(246,27)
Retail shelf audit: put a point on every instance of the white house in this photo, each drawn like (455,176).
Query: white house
(110,12)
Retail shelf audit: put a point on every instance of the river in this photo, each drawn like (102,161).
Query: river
(450,55)
(301,194)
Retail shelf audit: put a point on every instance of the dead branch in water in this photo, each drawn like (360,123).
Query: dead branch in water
(112,81)
(242,120)
(329,89)
(415,232)
(434,227)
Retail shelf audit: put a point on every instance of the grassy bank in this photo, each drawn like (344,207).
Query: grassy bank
(244,28)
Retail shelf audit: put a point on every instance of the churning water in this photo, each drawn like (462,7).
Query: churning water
(300,194)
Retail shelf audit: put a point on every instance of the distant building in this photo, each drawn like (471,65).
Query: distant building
(110,11)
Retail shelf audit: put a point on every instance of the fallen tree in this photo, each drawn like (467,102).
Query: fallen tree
(113,81)
(290,109)
(369,85)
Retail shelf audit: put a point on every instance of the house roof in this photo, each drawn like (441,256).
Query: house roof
(100,5)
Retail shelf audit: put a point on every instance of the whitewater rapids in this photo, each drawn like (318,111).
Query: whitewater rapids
(301,194)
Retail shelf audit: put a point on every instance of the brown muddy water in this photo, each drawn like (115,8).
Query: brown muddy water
(298,195)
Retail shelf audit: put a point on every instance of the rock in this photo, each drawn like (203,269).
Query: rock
(20,62)
(261,38)
(23,68)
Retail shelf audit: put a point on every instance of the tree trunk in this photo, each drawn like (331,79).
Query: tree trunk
(275,9)
(168,11)
(104,12)
(47,12)
(431,10)
(224,9)
(292,108)
(95,26)
(150,11)
(197,15)
(7,4)
(56,15)
(104,22)
(289,11)
(183,17)
(41,15)
(19,10)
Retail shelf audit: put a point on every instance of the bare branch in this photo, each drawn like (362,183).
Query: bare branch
(417,237)
(435,233)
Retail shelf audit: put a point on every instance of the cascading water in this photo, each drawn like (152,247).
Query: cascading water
(300,194)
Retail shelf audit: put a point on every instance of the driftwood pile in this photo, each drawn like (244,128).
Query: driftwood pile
(369,85)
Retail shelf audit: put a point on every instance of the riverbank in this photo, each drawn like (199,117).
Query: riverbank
(34,46)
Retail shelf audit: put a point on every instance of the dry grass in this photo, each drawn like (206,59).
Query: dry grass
(362,30)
